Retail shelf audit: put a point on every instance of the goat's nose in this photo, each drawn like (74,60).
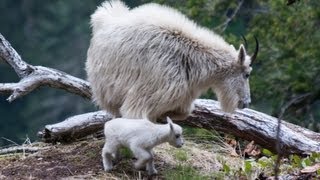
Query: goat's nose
(243,104)
(246,105)
(248,101)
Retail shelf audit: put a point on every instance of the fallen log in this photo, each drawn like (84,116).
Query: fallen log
(75,127)
(247,124)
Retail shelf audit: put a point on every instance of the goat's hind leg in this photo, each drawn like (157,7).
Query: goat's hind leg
(107,152)
(150,165)
(143,157)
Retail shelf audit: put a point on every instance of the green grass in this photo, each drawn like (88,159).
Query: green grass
(91,154)
(200,134)
(126,153)
(180,155)
(184,172)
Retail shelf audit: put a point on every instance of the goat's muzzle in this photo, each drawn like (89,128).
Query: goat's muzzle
(243,104)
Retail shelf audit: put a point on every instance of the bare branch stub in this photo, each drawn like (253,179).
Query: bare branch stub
(9,55)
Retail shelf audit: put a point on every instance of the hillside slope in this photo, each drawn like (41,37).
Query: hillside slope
(83,160)
(196,160)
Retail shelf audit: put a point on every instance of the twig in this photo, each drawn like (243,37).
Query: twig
(19,149)
(69,170)
(225,24)
(10,141)
(279,147)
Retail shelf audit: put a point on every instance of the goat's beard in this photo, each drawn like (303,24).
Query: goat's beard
(228,101)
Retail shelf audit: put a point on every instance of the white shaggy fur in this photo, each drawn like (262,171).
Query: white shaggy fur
(141,136)
(152,61)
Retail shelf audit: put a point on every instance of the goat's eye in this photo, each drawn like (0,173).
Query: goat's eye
(177,136)
(246,76)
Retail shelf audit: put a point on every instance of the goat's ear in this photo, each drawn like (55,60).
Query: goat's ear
(171,127)
(170,123)
(169,120)
(242,55)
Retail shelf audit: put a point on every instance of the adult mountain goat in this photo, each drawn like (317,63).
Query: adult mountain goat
(152,62)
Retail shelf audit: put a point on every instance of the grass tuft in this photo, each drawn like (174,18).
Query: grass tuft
(184,172)
(180,155)
(126,153)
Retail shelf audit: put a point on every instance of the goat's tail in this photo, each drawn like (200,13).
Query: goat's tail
(107,11)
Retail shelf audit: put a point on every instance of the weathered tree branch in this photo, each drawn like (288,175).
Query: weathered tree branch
(247,124)
(33,77)
(10,56)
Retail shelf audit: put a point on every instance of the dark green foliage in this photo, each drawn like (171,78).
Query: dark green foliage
(289,63)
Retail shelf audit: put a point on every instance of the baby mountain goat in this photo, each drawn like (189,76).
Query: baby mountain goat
(141,136)
(152,61)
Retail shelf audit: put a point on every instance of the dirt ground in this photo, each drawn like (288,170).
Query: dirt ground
(55,162)
(82,160)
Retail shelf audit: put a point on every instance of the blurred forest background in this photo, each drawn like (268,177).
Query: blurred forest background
(56,34)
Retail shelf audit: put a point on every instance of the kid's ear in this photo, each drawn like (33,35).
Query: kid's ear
(170,123)
(169,120)
(171,127)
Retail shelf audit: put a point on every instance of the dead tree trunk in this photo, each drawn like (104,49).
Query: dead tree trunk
(247,124)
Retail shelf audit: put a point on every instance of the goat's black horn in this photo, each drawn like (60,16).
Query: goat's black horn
(245,41)
(254,56)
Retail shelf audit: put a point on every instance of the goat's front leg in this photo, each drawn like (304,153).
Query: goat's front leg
(143,157)
(179,113)
(150,165)
(116,156)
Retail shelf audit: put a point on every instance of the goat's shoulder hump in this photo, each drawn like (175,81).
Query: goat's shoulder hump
(173,20)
